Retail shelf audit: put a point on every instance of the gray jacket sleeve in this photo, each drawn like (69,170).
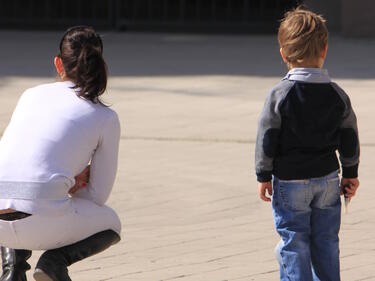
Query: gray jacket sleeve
(349,148)
(269,125)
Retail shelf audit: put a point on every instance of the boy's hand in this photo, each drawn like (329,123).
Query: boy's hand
(351,187)
(262,187)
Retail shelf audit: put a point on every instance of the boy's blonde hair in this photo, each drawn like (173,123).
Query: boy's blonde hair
(302,36)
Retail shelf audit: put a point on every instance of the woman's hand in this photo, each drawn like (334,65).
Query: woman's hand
(81,180)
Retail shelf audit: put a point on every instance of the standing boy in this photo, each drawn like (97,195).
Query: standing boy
(305,120)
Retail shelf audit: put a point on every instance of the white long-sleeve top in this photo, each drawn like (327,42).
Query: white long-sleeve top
(52,136)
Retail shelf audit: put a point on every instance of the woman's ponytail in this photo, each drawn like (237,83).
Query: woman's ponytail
(81,51)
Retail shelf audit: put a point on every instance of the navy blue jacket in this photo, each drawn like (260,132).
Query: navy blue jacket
(306,118)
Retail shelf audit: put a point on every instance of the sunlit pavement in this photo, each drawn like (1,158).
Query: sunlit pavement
(186,191)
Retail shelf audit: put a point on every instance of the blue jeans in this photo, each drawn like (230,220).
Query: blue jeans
(307,215)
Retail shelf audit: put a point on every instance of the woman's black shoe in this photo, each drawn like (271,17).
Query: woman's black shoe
(14,264)
(52,265)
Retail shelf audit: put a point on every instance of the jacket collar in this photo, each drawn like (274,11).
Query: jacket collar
(309,75)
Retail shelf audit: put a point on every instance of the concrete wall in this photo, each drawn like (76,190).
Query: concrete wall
(348,17)
(358,17)
(331,10)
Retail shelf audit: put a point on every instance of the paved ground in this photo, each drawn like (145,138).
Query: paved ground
(186,190)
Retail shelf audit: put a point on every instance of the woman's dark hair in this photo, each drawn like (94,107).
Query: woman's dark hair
(81,52)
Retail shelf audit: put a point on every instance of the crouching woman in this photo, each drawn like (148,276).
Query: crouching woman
(59,134)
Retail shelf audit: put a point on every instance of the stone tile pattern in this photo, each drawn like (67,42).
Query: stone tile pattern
(186,190)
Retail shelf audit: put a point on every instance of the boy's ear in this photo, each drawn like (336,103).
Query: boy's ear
(324,52)
(282,55)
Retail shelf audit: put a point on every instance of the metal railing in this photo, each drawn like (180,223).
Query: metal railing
(256,15)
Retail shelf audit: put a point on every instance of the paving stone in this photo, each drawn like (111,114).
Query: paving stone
(186,191)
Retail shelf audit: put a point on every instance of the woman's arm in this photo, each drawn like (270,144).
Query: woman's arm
(103,165)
